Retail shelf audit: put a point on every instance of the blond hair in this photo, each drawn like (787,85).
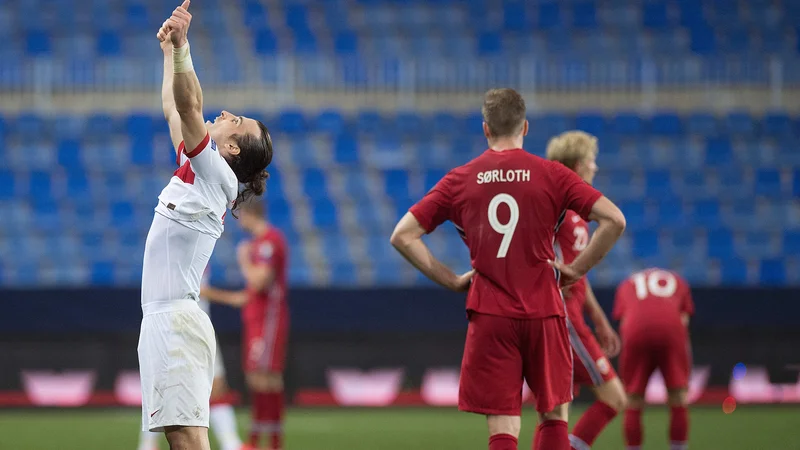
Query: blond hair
(504,112)
(571,147)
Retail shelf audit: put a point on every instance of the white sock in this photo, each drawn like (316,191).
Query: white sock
(223,425)
(148,440)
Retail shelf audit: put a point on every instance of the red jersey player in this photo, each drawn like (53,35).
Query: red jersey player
(577,151)
(507,205)
(265,318)
(654,306)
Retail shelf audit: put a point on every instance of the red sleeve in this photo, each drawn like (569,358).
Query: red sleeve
(267,251)
(578,195)
(687,303)
(619,302)
(434,209)
(197,150)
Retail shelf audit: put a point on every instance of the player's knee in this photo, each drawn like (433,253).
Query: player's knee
(265,381)
(504,425)
(186,438)
(635,401)
(677,397)
(560,412)
(613,394)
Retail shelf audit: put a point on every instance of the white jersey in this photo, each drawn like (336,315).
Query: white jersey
(186,225)
(201,190)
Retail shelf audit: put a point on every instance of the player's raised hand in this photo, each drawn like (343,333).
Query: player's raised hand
(463,281)
(163,36)
(569,275)
(609,340)
(178,25)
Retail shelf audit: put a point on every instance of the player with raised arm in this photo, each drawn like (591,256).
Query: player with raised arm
(653,307)
(507,205)
(176,343)
(265,318)
(578,151)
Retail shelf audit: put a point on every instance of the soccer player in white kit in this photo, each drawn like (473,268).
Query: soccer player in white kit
(176,343)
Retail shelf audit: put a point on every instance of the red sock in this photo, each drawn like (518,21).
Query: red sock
(257,418)
(552,435)
(632,426)
(591,424)
(275,419)
(502,442)
(678,426)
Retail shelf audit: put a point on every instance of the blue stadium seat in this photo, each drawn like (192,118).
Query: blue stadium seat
(108,43)
(305,42)
(291,122)
(654,14)
(733,271)
(66,126)
(791,242)
(315,183)
(666,124)
(344,274)
(396,183)
(670,213)
(102,273)
(740,123)
(777,124)
(658,184)
(772,272)
(330,121)
(324,214)
(444,123)
(735,39)
(584,14)
(345,149)
(549,15)
(123,215)
(8,188)
(515,16)
(77,183)
(265,42)
(551,124)
(719,151)
(409,123)
(432,177)
(702,123)
(768,183)
(30,126)
(46,216)
(40,185)
(796,183)
(489,44)
(634,214)
(140,126)
(346,43)
(720,243)
(38,43)
(99,127)
(703,40)
(706,213)
(645,243)
(592,123)
(297,16)
(69,153)
(682,242)
(756,244)
(369,121)
(629,124)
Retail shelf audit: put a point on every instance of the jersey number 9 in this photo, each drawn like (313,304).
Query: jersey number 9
(506,229)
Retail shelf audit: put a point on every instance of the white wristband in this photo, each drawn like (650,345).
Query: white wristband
(182,60)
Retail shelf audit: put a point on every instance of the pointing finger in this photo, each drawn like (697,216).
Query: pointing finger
(185,4)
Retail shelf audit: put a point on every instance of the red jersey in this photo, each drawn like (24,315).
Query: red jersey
(652,300)
(268,249)
(507,207)
(572,237)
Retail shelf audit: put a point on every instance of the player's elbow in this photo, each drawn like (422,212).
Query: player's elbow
(399,239)
(617,221)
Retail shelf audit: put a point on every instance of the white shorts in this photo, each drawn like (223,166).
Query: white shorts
(177,348)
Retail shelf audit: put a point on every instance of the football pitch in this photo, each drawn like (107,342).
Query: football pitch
(747,428)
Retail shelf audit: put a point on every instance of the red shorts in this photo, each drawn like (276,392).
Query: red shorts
(501,352)
(592,368)
(264,345)
(641,357)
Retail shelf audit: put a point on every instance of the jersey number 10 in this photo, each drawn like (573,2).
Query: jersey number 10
(506,229)
(651,283)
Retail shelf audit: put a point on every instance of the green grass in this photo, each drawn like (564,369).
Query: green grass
(748,428)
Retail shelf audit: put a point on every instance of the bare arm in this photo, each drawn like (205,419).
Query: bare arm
(608,338)
(237,299)
(186,92)
(407,239)
(258,276)
(611,224)
(167,99)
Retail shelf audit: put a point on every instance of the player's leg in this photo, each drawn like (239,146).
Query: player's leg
(187,438)
(636,364)
(223,417)
(676,368)
(148,440)
(548,372)
(491,377)
(592,368)
(265,361)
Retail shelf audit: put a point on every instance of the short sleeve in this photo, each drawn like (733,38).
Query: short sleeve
(266,252)
(578,195)
(619,302)
(687,303)
(208,164)
(434,209)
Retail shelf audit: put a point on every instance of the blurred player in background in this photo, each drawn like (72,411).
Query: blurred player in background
(654,306)
(177,345)
(265,317)
(507,205)
(578,151)
(222,415)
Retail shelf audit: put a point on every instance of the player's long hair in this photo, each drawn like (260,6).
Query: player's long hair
(250,165)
